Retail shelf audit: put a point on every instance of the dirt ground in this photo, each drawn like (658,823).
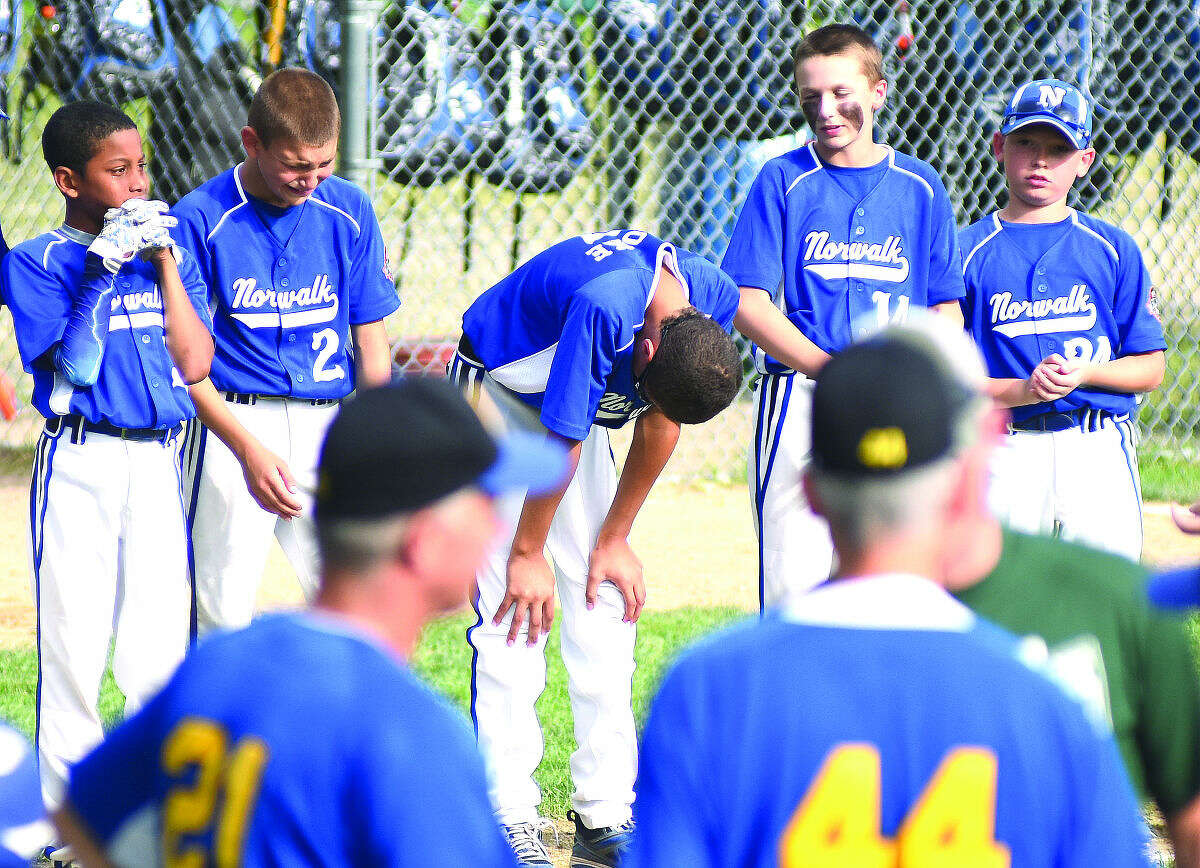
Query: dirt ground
(696,541)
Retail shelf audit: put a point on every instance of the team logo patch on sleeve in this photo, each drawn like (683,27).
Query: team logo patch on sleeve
(1152,303)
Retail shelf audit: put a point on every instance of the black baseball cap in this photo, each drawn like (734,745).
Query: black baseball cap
(406,445)
(1177,588)
(894,402)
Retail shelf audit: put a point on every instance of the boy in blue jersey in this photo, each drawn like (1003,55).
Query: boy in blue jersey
(112,323)
(588,334)
(875,720)
(1063,309)
(299,286)
(305,739)
(837,233)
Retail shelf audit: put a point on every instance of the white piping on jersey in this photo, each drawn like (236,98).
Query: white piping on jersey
(1112,251)
(995,231)
(294,319)
(893,601)
(819,165)
(315,200)
(145,319)
(891,161)
(892,165)
(46,252)
(237,182)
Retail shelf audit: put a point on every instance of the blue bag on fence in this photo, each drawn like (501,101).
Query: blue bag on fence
(437,118)
(554,136)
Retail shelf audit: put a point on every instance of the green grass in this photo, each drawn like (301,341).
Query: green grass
(1167,477)
(443,658)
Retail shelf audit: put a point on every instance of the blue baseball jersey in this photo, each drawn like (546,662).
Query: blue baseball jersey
(24,829)
(286,284)
(844,248)
(297,741)
(559,331)
(875,715)
(1077,287)
(138,385)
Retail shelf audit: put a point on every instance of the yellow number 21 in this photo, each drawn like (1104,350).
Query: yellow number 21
(953,822)
(229,778)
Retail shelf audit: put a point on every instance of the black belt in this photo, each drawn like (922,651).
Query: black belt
(79,426)
(467,351)
(242,398)
(1084,417)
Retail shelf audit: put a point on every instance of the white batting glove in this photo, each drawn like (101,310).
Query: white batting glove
(156,235)
(117,243)
(138,211)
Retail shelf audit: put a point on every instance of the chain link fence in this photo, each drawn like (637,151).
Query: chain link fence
(500,127)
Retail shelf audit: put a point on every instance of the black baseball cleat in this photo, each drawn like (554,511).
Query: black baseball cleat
(599,848)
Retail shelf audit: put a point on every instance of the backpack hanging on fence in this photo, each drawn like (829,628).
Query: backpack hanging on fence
(195,129)
(437,117)
(129,50)
(531,44)
(313,38)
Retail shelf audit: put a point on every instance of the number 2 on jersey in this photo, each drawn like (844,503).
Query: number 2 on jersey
(951,824)
(326,343)
(198,751)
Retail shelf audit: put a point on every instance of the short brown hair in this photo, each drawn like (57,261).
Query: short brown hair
(840,39)
(295,104)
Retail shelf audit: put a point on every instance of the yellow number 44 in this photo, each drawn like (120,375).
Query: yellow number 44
(951,824)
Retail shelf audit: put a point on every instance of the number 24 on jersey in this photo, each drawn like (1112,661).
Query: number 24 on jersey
(951,824)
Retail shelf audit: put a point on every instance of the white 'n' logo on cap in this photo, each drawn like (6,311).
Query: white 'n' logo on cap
(1051,96)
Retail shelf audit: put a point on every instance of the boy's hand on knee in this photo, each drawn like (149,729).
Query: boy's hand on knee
(613,561)
(530,594)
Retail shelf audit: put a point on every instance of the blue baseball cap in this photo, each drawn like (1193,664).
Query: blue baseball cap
(1177,588)
(1050,101)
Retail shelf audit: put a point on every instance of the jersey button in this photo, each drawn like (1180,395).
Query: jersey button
(291,339)
(145,339)
(1041,269)
(283,281)
(858,230)
(282,262)
(860,212)
(299,378)
(156,382)
(1041,287)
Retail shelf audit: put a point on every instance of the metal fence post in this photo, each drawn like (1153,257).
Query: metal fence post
(357,79)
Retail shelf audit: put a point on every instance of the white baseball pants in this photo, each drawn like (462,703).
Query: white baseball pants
(597,650)
(795,551)
(109,553)
(231,533)
(1078,484)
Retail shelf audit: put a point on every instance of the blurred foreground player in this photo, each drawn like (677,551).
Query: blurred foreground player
(875,720)
(304,738)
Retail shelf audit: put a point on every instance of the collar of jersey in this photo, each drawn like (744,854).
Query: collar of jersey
(893,601)
(76,235)
(328,622)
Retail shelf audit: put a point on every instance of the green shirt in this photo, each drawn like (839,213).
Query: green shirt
(1131,666)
